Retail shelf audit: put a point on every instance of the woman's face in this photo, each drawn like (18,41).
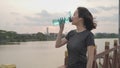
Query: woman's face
(75,18)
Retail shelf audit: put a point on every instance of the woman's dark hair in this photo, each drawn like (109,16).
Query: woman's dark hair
(88,18)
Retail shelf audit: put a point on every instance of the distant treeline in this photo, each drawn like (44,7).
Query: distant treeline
(106,35)
(11,36)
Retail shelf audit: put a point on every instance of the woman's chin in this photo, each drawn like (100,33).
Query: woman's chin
(73,23)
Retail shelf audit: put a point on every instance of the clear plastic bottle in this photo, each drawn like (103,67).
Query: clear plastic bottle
(62,20)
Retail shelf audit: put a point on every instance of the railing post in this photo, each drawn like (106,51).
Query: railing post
(114,64)
(66,58)
(119,55)
(106,58)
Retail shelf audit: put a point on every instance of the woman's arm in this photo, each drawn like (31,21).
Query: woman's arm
(90,50)
(59,41)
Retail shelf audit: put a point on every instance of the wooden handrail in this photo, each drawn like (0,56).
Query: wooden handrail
(100,55)
(108,61)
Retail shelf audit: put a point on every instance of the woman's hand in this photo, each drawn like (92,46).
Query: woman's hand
(59,41)
(61,24)
(61,27)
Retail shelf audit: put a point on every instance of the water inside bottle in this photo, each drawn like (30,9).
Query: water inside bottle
(55,22)
(67,20)
(62,20)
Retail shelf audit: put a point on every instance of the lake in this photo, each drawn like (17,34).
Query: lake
(39,54)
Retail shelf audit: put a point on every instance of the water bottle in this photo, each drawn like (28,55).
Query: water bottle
(62,20)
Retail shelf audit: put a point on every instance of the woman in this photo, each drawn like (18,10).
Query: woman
(79,41)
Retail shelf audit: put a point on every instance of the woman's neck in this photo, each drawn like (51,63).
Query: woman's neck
(80,28)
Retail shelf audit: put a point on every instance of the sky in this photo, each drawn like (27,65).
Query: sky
(32,16)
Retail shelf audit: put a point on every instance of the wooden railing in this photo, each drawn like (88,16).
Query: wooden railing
(110,58)
(109,61)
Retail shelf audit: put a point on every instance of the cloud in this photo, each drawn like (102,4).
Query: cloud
(93,10)
(43,13)
(103,8)
(14,13)
(103,1)
(28,18)
(44,18)
(96,0)
(105,15)
(108,8)
(113,18)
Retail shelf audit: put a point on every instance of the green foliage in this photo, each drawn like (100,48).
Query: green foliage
(11,36)
(106,35)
